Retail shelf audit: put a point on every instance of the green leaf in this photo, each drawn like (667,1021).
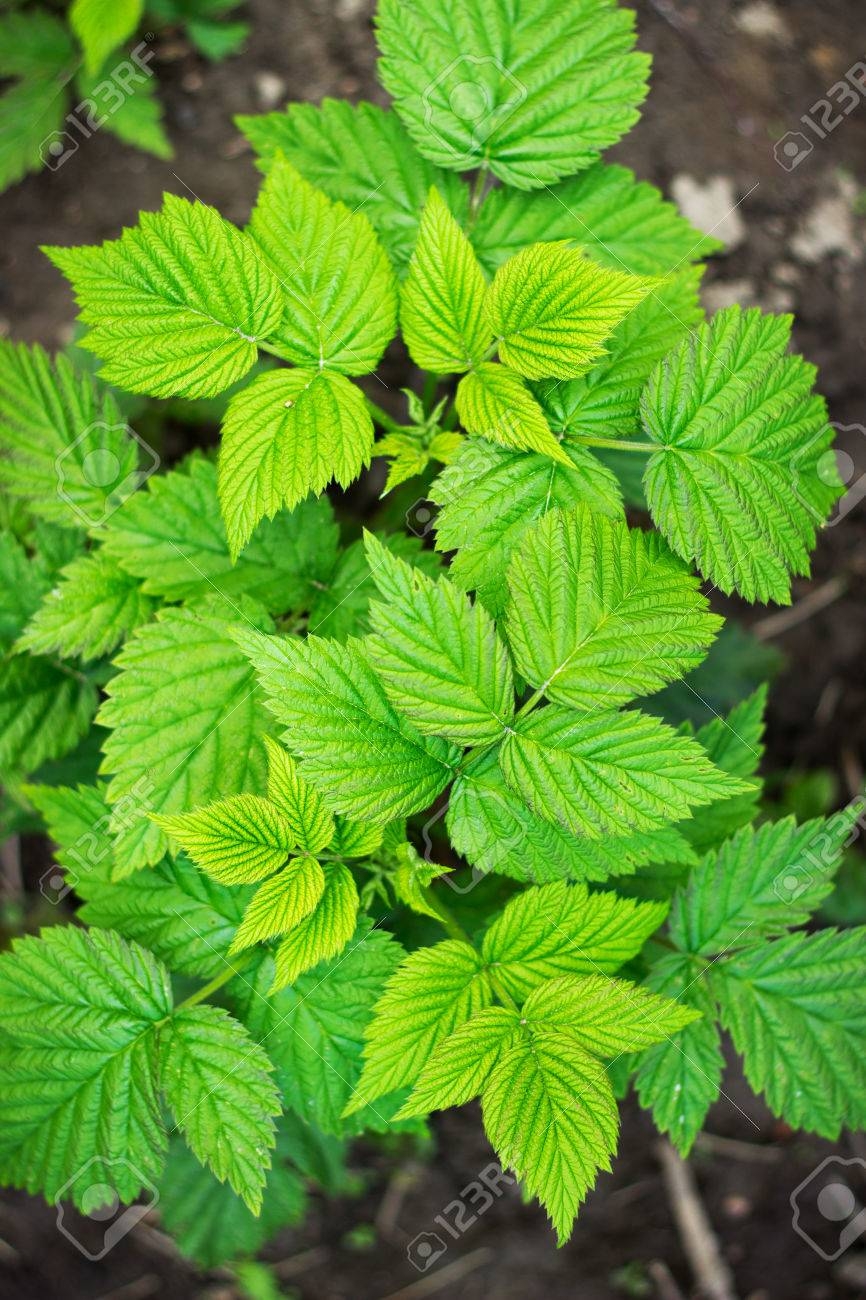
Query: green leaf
(412,875)
(432,993)
(340,289)
(340,608)
(314,1031)
(743,476)
(606,1017)
(102,25)
(551,309)
(286,434)
(795,1010)
(299,804)
(66,450)
(281,903)
(620,222)
(23,586)
(174,745)
(160,319)
(79,1074)
(172,537)
(366,760)
(209,1222)
(362,155)
(600,613)
(237,840)
(736,745)
(439,656)
(495,831)
(95,607)
(36,47)
(441,299)
(494,403)
(490,496)
(324,932)
(605,402)
(460,1065)
(759,883)
(45,709)
(218,1083)
(598,773)
(563,929)
(680,1079)
(354,839)
(533,97)
(550,1113)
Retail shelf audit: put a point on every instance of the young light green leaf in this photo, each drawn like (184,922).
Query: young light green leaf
(620,222)
(366,760)
(237,840)
(550,1113)
(431,994)
(361,155)
(217,1080)
(79,1074)
(441,299)
(605,402)
(562,929)
(605,1016)
(172,537)
(354,839)
(286,434)
(551,309)
(324,932)
(340,289)
(439,656)
(412,875)
(102,25)
(600,612)
(759,883)
(534,101)
(95,607)
(797,1013)
(159,318)
(281,903)
(490,496)
(741,479)
(172,744)
(460,1065)
(311,824)
(494,403)
(599,773)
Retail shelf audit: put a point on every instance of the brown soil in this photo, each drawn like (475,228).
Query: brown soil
(720,99)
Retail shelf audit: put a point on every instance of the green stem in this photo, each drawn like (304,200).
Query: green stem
(428,393)
(615,444)
(274,351)
(202,994)
(476,195)
(381,417)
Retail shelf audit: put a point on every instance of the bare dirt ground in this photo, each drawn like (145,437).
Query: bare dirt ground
(730,79)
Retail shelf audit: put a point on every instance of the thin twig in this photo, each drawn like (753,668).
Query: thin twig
(402,1182)
(784,619)
(738,1150)
(711,1272)
(434,1282)
(666,1287)
(294,1265)
(142,1287)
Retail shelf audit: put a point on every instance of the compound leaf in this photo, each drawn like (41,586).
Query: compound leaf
(299,804)
(281,903)
(94,607)
(494,403)
(238,840)
(460,1064)
(605,1016)
(324,932)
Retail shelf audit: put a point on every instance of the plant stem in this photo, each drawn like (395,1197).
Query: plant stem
(428,393)
(274,352)
(381,417)
(476,195)
(202,994)
(615,444)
